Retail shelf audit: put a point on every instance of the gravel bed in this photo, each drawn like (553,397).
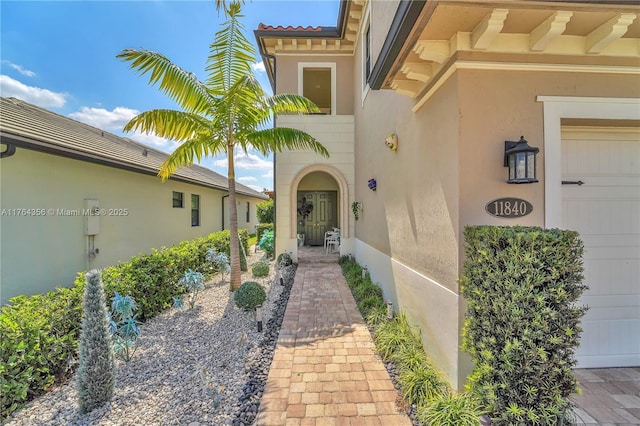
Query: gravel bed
(205,366)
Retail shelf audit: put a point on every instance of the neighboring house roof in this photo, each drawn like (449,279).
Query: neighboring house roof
(31,127)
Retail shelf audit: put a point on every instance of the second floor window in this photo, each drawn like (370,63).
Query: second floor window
(317,82)
(367,54)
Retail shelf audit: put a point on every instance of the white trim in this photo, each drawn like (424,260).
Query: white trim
(332,66)
(517,66)
(555,108)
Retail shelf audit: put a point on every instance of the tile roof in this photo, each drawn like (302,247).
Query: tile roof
(299,28)
(43,130)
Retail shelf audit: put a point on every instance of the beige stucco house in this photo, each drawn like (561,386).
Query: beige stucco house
(75,197)
(454,80)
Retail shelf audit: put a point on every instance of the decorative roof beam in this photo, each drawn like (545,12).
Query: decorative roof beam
(420,71)
(488,29)
(355,14)
(433,50)
(406,87)
(549,30)
(609,32)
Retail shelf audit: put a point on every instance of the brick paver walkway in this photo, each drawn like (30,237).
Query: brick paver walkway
(325,370)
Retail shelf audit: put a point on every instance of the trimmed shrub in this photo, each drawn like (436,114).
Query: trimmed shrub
(97,368)
(522,324)
(264,211)
(262,227)
(284,260)
(38,343)
(243,257)
(249,295)
(260,269)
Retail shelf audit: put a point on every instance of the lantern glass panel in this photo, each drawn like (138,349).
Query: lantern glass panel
(512,167)
(531,165)
(521,165)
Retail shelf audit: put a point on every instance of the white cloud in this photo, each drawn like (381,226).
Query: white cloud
(256,187)
(245,179)
(104,119)
(252,162)
(35,95)
(150,139)
(115,120)
(258,66)
(246,162)
(269,174)
(20,69)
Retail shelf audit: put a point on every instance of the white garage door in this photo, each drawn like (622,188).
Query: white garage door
(605,210)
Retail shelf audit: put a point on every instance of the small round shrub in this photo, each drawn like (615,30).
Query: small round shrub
(260,269)
(250,295)
(284,259)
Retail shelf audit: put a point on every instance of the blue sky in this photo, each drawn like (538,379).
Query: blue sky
(60,55)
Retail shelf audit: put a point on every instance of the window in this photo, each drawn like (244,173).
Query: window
(178,199)
(367,53)
(195,210)
(317,82)
(248,217)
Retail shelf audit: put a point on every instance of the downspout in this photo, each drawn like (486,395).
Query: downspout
(275,204)
(11,149)
(223,197)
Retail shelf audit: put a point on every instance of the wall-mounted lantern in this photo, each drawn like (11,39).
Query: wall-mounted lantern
(372,184)
(521,160)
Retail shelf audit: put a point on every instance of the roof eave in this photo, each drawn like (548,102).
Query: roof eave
(53,149)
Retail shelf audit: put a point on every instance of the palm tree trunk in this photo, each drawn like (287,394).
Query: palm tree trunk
(234,241)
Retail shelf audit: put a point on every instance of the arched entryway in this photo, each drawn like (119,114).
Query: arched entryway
(319,201)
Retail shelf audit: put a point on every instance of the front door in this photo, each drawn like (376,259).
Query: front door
(316,213)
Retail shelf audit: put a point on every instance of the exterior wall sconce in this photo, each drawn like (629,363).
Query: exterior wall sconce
(392,142)
(372,184)
(521,160)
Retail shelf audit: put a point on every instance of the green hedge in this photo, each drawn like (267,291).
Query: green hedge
(39,333)
(261,228)
(522,324)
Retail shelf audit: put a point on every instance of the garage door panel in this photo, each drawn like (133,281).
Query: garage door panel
(593,217)
(605,210)
(588,157)
(611,276)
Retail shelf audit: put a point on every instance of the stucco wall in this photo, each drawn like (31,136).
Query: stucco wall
(513,111)
(39,253)
(287,78)
(336,134)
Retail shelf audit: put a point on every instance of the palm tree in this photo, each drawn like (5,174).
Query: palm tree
(227,111)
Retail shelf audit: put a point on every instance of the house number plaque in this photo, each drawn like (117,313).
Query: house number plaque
(509,207)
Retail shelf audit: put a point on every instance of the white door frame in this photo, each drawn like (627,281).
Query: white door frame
(556,108)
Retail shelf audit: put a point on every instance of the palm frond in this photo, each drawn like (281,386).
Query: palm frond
(231,54)
(188,152)
(170,124)
(180,85)
(280,138)
(286,103)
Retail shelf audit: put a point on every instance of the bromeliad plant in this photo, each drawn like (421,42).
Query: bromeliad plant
(219,261)
(226,112)
(194,282)
(267,243)
(124,326)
